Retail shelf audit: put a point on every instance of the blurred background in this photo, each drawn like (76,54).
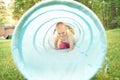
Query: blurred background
(107,10)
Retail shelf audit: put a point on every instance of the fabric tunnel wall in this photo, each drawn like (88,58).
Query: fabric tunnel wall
(33,48)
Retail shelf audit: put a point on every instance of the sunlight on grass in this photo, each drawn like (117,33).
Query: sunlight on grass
(113,54)
(8,70)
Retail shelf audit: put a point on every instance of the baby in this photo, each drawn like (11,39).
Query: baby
(63,37)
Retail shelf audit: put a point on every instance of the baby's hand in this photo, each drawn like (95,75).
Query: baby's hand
(57,48)
(70,49)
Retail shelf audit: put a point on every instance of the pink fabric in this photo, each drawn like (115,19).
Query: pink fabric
(64,45)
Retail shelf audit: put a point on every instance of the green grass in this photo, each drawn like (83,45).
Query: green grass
(113,55)
(8,70)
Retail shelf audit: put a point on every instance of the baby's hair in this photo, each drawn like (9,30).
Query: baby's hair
(60,23)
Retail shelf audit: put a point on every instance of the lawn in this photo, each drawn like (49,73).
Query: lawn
(8,70)
(113,55)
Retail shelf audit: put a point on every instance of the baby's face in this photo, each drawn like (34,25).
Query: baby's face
(61,30)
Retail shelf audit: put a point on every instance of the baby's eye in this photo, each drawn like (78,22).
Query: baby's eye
(61,33)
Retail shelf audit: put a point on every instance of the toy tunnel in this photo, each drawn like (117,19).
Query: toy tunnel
(32,42)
